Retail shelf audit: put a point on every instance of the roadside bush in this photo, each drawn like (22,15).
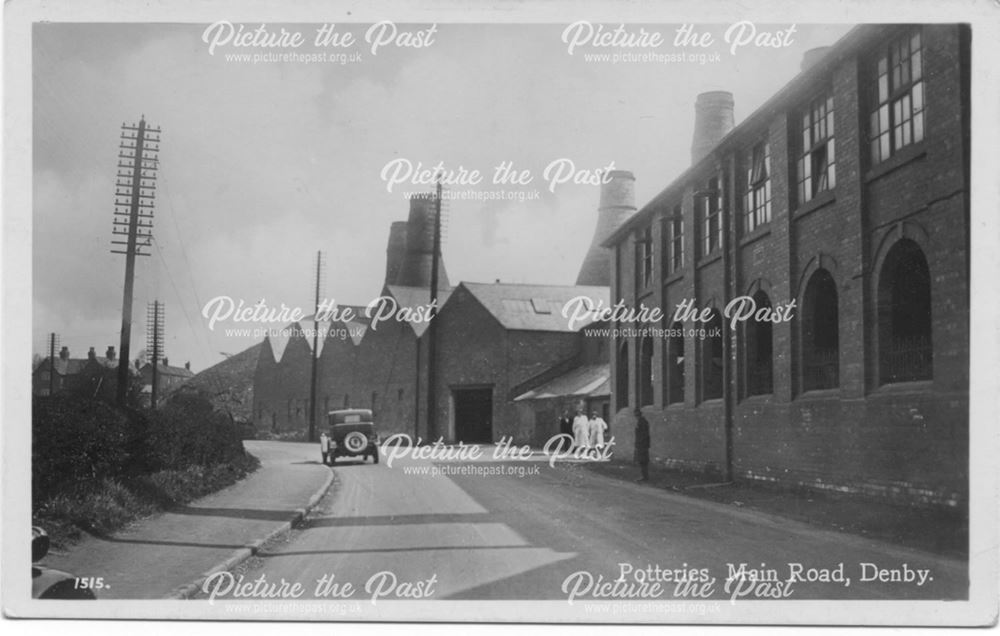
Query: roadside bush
(78,441)
(285,436)
(98,467)
(188,431)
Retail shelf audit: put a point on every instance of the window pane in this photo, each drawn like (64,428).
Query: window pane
(832,178)
(829,123)
(830,154)
(883,88)
(883,143)
(918,126)
(918,96)
(883,118)
(917,71)
(883,65)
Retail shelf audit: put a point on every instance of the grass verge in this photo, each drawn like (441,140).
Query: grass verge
(110,504)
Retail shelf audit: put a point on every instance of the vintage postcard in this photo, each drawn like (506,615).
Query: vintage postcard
(605,312)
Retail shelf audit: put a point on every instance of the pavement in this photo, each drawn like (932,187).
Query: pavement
(522,529)
(937,530)
(162,555)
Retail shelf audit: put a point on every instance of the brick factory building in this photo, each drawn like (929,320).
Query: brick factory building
(847,192)
(495,342)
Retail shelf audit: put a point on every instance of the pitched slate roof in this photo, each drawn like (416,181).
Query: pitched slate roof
(533,307)
(73,366)
(588,380)
(231,381)
(170,370)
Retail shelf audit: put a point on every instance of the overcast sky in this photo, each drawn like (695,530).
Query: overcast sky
(264,164)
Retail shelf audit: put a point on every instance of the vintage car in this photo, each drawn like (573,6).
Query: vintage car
(349,433)
(48,583)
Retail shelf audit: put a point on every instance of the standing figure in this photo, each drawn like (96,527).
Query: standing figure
(642,444)
(581,431)
(566,432)
(597,427)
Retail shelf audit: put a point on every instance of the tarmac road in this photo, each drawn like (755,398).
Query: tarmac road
(526,534)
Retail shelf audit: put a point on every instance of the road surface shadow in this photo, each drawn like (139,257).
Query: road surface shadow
(255,514)
(397,520)
(430,548)
(180,544)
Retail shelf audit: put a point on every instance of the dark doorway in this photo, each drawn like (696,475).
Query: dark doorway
(474,416)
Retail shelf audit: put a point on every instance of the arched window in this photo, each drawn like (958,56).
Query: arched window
(820,333)
(674,364)
(904,315)
(759,367)
(711,359)
(646,371)
(621,386)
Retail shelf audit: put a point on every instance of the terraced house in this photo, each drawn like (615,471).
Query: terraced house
(847,192)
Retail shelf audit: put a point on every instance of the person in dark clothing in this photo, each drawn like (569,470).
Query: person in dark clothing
(565,428)
(642,444)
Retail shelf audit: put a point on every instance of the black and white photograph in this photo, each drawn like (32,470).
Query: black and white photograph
(610,313)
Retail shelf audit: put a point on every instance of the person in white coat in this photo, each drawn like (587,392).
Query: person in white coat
(597,428)
(581,431)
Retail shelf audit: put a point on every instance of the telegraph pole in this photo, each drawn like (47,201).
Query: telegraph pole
(315,354)
(52,364)
(134,193)
(155,314)
(432,325)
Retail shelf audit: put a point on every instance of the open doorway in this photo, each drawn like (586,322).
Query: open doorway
(474,415)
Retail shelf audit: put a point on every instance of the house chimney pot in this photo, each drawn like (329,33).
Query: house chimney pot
(110,354)
(166,362)
(64,353)
(92,355)
(187,365)
(713,119)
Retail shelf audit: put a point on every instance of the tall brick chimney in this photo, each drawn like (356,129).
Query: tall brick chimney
(395,251)
(713,118)
(415,270)
(812,56)
(617,204)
